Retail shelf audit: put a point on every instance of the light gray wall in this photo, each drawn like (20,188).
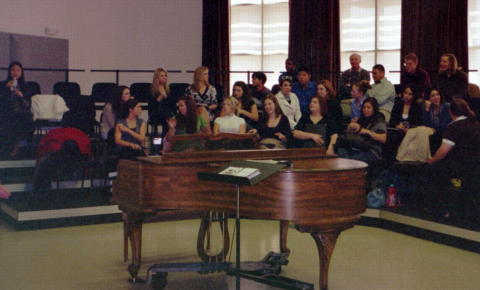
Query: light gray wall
(40,52)
(106,34)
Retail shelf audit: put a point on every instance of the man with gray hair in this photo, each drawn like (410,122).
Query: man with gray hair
(352,76)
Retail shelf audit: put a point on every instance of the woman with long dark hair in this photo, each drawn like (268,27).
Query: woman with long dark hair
(458,155)
(247,108)
(364,138)
(112,109)
(130,131)
(406,114)
(16,119)
(187,121)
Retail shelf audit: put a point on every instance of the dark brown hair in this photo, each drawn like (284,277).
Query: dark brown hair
(189,122)
(460,107)
(323,104)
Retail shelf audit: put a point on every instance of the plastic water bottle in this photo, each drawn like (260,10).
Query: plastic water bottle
(392,196)
(14,86)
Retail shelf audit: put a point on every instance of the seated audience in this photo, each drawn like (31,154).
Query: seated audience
(364,138)
(288,102)
(359,90)
(187,121)
(204,94)
(258,90)
(304,89)
(247,109)
(382,90)
(291,71)
(413,76)
(273,129)
(161,105)
(130,131)
(352,76)
(229,122)
(326,91)
(451,81)
(406,114)
(435,112)
(458,155)
(112,109)
(316,128)
(16,119)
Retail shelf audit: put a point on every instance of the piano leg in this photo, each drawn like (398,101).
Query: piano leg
(283,236)
(325,244)
(134,224)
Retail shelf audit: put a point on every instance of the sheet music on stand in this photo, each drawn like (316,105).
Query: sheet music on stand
(241,172)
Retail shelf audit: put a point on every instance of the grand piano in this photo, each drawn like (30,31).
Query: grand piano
(321,195)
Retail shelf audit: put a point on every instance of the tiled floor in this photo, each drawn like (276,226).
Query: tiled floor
(90,257)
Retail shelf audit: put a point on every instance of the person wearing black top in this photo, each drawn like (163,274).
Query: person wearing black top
(326,91)
(316,128)
(16,119)
(161,105)
(274,128)
(458,155)
(247,108)
(291,71)
(364,137)
(413,76)
(451,81)
(406,114)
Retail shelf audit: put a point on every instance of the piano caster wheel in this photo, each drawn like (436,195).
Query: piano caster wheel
(159,280)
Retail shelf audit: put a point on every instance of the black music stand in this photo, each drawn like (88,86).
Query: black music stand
(265,271)
(265,170)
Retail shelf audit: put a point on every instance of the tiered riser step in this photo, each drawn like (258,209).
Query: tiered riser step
(61,207)
(69,202)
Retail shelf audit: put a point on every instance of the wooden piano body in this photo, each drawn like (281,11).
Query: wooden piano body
(320,195)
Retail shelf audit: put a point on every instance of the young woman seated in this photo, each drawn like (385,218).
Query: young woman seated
(273,129)
(406,114)
(130,131)
(289,103)
(161,104)
(458,154)
(229,122)
(187,121)
(317,128)
(359,90)
(247,109)
(326,91)
(112,109)
(204,94)
(364,138)
(436,115)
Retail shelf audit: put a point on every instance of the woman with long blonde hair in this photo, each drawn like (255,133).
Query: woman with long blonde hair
(204,94)
(161,105)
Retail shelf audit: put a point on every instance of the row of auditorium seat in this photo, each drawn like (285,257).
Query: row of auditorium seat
(101,91)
